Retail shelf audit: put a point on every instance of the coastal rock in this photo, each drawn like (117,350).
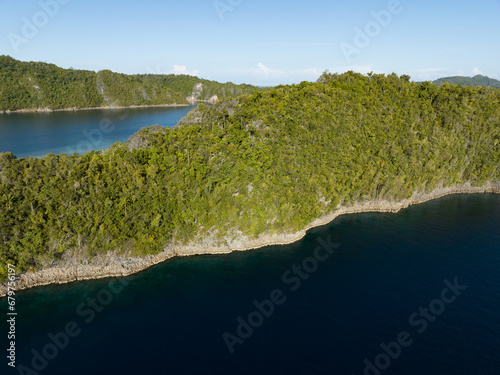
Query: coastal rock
(214,99)
(143,137)
(113,266)
(197,90)
(191,118)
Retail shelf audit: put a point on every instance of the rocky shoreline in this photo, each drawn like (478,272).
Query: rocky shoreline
(113,266)
(74,109)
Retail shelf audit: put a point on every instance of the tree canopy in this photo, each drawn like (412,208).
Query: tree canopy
(38,85)
(267,162)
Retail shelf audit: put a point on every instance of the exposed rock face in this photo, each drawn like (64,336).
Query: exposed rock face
(101,88)
(100,85)
(322,78)
(191,118)
(112,266)
(194,116)
(142,138)
(197,90)
(144,94)
(228,106)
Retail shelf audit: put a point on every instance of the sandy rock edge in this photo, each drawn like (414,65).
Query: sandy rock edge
(112,266)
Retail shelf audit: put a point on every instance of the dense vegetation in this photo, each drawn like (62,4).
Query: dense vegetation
(37,85)
(267,162)
(475,81)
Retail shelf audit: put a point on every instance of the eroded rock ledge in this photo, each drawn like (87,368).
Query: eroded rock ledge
(113,266)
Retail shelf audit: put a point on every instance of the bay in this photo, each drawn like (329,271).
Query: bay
(383,270)
(40,133)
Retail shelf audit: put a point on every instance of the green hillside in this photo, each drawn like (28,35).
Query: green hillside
(268,162)
(475,81)
(37,85)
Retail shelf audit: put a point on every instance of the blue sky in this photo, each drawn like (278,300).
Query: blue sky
(254,41)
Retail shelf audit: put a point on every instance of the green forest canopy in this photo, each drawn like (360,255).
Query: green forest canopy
(38,85)
(266,162)
(475,81)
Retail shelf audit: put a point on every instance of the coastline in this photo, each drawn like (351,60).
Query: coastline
(113,266)
(74,109)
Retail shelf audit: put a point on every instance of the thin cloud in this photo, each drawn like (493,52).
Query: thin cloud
(265,71)
(303,44)
(177,69)
(182,69)
(477,71)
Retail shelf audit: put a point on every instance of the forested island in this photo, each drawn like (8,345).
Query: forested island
(264,164)
(41,86)
(476,81)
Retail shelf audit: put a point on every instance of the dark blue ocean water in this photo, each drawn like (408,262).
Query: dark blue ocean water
(37,134)
(389,279)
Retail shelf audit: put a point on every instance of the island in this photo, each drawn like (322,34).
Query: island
(258,169)
(42,87)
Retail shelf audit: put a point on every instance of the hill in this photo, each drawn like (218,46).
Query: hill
(38,85)
(268,163)
(475,81)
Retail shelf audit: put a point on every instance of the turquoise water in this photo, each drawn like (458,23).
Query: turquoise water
(375,275)
(37,134)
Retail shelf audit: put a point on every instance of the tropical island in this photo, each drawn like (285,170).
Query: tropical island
(38,86)
(246,172)
(476,81)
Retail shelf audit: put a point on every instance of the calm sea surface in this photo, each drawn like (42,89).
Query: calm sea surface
(37,134)
(416,292)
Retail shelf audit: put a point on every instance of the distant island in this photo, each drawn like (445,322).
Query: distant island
(476,81)
(43,87)
(246,172)
(38,86)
